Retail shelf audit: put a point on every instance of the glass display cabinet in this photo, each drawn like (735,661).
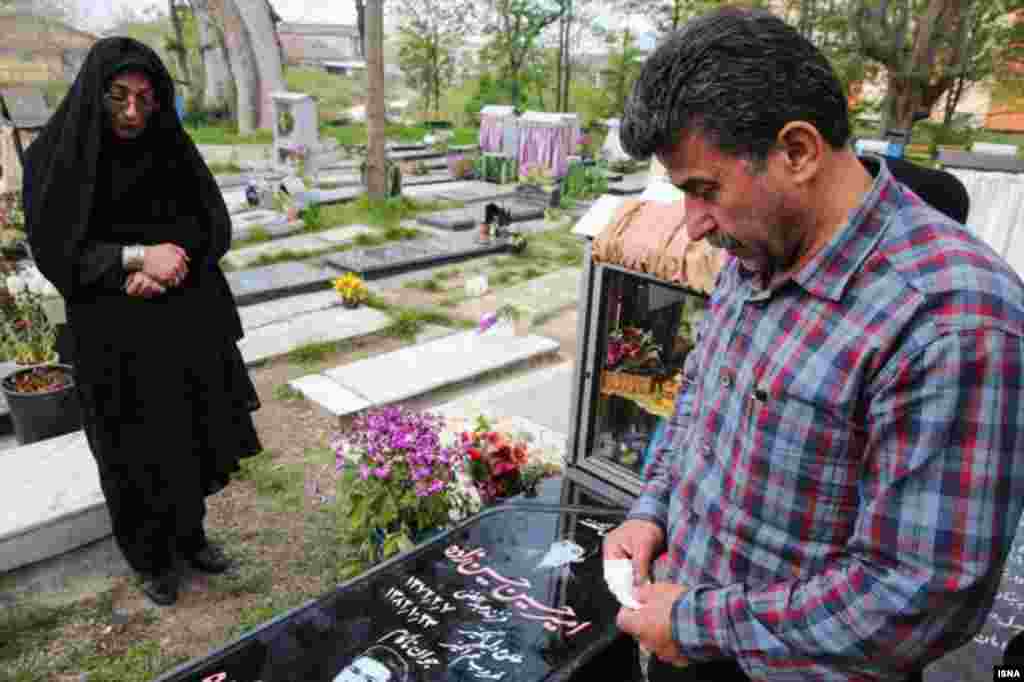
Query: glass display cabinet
(634,333)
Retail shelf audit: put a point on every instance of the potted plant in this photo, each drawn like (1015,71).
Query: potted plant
(40,392)
(398,483)
(352,289)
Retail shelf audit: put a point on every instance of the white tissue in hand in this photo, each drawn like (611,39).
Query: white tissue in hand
(618,573)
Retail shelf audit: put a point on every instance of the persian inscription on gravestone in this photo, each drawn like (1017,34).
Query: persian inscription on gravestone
(974,661)
(475,605)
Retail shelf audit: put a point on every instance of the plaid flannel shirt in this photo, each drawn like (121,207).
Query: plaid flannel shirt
(844,473)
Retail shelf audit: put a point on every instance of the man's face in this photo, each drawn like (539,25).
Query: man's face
(735,205)
(130,100)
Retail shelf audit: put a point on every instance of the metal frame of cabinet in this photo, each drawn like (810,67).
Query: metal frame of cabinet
(589,477)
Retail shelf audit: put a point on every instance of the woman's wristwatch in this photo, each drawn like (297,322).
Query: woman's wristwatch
(133,257)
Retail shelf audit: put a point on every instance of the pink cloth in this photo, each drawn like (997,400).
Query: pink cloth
(549,147)
(490,133)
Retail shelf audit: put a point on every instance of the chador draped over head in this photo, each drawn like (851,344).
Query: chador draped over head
(62,163)
(166,398)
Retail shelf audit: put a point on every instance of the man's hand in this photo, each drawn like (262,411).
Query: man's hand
(142,285)
(166,263)
(638,541)
(651,624)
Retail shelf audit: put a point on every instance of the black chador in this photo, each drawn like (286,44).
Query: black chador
(166,398)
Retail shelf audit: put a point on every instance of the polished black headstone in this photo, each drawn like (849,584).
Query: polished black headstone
(481,602)
(383,261)
(974,661)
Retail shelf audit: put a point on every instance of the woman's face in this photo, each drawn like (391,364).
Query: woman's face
(130,101)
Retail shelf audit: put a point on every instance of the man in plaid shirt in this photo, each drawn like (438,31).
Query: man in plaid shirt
(844,473)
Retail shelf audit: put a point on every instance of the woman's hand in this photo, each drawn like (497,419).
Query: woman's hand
(166,263)
(142,285)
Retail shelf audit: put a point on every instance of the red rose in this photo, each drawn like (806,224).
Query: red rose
(474,454)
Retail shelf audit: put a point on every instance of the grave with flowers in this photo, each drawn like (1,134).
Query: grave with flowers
(404,477)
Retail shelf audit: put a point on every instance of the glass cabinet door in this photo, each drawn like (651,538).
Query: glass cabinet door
(644,330)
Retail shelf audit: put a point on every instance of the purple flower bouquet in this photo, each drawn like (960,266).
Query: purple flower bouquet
(398,481)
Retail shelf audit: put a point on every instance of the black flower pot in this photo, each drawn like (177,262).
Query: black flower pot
(38,416)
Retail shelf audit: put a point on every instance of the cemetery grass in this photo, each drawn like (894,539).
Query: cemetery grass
(546,252)
(275,519)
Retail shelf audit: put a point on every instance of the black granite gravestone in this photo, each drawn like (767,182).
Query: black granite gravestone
(383,261)
(974,661)
(485,601)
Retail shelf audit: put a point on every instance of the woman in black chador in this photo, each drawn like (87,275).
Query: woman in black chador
(125,218)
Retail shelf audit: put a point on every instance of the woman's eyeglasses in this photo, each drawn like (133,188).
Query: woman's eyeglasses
(119,99)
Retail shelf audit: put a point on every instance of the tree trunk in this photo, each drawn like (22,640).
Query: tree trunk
(255,15)
(361,26)
(243,66)
(179,46)
(376,180)
(216,75)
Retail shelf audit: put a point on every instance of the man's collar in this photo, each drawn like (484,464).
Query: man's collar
(829,272)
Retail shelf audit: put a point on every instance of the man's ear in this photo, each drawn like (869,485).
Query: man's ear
(802,150)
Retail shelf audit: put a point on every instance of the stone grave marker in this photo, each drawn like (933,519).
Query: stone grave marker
(25,107)
(295,124)
(992,148)
(242,224)
(276,281)
(1000,163)
(381,261)
(973,662)
(466,218)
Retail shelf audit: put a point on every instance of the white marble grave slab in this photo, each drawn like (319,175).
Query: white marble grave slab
(416,370)
(993,148)
(261,217)
(344,235)
(329,395)
(282,309)
(246,256)
(332,324)
(52,500)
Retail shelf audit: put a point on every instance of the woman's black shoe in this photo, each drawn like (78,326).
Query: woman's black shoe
(162,589)
(210,559)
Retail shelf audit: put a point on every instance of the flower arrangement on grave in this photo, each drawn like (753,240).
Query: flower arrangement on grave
(352,289)
(632,361)
(500,465)
(27,334)
(399,481)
